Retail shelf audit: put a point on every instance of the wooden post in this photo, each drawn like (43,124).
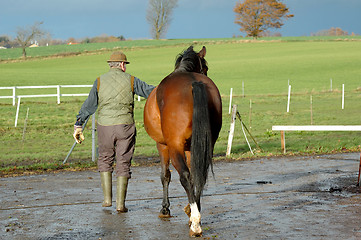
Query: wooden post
(283,141)
(231,131)
(230,101)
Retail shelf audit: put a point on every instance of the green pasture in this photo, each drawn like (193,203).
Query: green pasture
(66,50)
(264,68)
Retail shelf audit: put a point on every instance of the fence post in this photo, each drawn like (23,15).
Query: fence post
(343,96)
(283,142)
(14,95)
(58,93)
(17,112)
(231,131)
(230,101)
(289,98)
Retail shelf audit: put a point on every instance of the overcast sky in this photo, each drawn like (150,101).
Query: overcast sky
(191,19)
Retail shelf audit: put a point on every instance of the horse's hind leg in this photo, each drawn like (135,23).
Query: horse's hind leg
(187,209)
(165,178)
(179,163)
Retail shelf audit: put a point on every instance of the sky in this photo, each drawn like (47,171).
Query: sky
(191,19)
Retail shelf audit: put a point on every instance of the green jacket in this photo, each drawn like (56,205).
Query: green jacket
(116,98)
(92,103)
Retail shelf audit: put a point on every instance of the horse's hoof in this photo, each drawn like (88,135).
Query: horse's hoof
(164,213)
(194,234)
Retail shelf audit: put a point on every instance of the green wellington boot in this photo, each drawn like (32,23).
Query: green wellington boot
(106,181)
(122,185)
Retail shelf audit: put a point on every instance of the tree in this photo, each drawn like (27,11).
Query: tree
(24,36)
(257,16)
(159,16)
(4,41)
(331,32)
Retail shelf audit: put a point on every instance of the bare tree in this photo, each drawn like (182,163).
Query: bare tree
(159,16)
(25,35)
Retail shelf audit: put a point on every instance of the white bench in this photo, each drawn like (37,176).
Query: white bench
(312,128)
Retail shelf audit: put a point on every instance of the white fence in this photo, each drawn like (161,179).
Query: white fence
(312,128)
(57,95)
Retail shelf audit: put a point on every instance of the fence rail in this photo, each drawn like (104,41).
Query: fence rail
(57,95)
(311,128)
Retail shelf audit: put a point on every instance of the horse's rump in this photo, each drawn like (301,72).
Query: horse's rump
(174,99)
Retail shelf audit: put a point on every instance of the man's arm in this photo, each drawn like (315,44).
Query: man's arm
(142,88)
(89,107)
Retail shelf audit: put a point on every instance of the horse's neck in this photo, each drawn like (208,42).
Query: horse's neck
(188,67)
(180,69)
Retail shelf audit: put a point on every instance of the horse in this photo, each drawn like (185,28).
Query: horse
(183,115)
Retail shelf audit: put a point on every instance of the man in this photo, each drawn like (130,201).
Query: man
(113,95)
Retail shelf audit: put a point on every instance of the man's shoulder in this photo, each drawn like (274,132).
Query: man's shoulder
(118,73)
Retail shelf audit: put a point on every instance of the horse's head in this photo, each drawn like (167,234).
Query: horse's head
(190,61)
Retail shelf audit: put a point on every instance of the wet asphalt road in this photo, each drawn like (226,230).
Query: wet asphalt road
(270,198)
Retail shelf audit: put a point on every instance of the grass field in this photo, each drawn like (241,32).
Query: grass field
(264,67)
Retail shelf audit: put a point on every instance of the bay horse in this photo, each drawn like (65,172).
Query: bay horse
(183,114)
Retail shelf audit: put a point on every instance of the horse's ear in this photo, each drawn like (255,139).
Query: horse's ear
(202,53)
(190,49)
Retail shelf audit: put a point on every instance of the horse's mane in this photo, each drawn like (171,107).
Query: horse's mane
(189,61)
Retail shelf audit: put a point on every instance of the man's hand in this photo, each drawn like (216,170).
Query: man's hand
(78,133)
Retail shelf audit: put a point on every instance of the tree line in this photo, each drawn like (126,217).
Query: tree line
(45,40)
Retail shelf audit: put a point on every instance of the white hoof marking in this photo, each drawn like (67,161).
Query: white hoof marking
(195,219)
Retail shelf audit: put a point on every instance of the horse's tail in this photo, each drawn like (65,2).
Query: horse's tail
(201,144)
